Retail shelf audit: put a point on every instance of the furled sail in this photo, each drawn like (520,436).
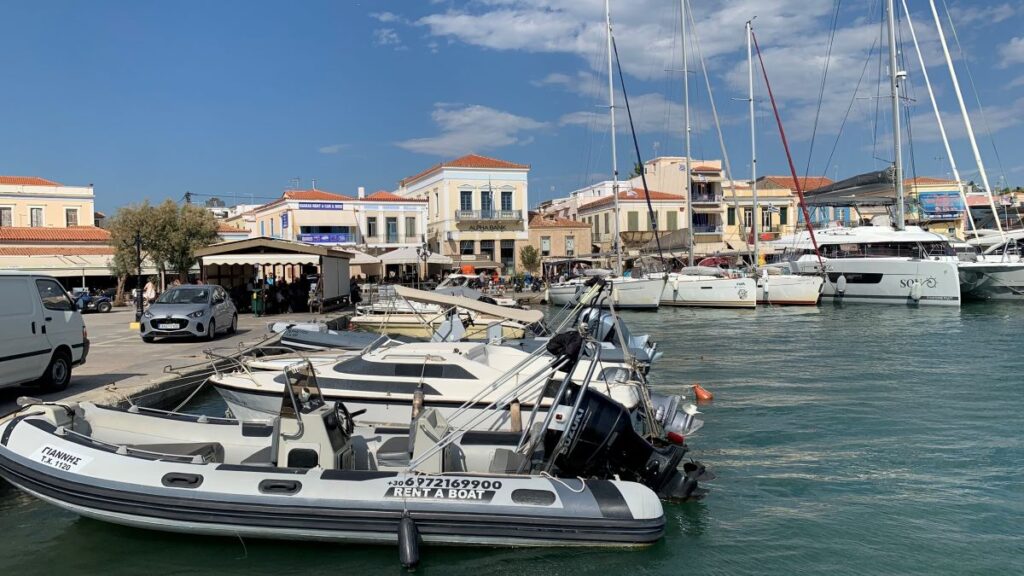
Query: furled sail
(873,188)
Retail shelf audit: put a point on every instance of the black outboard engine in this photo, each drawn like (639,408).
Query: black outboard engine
(599,440)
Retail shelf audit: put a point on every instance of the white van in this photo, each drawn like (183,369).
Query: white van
(41,333)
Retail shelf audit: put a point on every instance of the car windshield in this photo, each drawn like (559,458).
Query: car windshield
(185,296)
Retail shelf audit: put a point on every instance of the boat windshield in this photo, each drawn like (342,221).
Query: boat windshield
(886,250)
(302,394)
(185,296)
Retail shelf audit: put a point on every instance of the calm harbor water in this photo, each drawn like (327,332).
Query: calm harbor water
(857,440)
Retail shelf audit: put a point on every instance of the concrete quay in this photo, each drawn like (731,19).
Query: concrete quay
(121,366)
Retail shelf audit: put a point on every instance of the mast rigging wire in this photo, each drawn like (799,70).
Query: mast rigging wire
(821,87)
(636,147)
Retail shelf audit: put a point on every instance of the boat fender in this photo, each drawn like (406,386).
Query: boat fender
(408,542)
(515,416)
(417,401)
(701,394)
(675,284)
(841,285)
(915,290)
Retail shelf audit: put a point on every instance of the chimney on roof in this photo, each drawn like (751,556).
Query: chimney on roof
(362,192)
(314,183)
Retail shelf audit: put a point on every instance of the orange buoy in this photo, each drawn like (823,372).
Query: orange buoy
(701,394)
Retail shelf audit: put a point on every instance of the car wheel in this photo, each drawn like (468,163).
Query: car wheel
(148,339)
(58,373)
(234,324)
(103,307)
(211,330)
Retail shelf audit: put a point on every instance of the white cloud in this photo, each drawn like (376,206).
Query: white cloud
(976,16)
(386,37)
(388,17)
(472,128)
(1016,83)
(1012,52)
(332,148)
(997,118)
(651,113)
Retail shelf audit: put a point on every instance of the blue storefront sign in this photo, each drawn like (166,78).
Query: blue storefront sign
(332,238)
(321,206)
(941,204)
(284,221)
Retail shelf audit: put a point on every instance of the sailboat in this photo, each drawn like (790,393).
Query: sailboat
(626,292)
(998,272)
(879,264)
(773,286)
(701,286)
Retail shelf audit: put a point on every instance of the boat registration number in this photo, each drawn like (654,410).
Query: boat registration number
(443,488)
(60,458)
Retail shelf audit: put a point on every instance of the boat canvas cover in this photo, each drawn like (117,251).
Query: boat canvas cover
(514,314)
(871,189)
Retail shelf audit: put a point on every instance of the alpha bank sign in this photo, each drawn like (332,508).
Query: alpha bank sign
(941,204)
(321,206)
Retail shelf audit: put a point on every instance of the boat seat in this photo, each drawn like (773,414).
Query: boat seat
(505,461)
(394,452)
(209,451)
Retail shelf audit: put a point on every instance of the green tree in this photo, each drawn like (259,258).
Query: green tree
(638,170)
(530,258)
(123,226)
(194,228)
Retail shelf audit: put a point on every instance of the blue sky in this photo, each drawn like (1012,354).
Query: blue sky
(235,99)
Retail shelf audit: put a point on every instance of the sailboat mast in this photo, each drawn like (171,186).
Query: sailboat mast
(615,159)
(967,120)
(686,107)
(894,93)
(938,115)
(753,145)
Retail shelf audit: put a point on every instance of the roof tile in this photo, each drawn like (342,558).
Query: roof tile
(27,181)
(314,194)
(56,250)
(547,221)
(634,195)
(468,161)
(69,234)
(806,183)
(385,196)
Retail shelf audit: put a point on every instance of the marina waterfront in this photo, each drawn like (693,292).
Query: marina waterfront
(854,440)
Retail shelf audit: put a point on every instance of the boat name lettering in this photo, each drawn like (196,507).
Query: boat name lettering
(413,492)
(930,282)
(60,459)
(446,482)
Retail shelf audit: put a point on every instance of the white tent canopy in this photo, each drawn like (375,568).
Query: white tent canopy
(257,259)
(408,255)
(361,258)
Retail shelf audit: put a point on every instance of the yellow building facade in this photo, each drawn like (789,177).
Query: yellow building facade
(30,201)
(476,209)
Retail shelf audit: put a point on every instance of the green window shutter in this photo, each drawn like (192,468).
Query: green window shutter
(731,215)
(673,220)
(783,215)
(632,221)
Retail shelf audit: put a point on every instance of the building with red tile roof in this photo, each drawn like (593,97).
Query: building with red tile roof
(476,207)
(806,183)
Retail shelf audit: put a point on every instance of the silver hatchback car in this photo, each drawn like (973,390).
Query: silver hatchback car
(190,311)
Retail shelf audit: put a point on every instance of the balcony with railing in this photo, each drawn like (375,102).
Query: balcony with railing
(698,198)
(487,215)
(707,229)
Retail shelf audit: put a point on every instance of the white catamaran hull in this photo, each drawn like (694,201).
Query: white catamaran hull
(901,281)
(789,290)
(635,293)
(992,280)
(709,292)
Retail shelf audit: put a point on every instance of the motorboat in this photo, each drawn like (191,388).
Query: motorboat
(584,478)
(469,286)
(878,265)
(998,272)
(459,379)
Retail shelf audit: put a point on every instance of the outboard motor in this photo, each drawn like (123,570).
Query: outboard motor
(676,416)
(599,440)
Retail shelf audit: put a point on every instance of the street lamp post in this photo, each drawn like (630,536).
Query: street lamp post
(138,277)
(424,254)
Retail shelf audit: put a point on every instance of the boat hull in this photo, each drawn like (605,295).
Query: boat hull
(709,292)
(789,290)
(352,506)
(892,281)
(992,280)
(415,327)
(626,293)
